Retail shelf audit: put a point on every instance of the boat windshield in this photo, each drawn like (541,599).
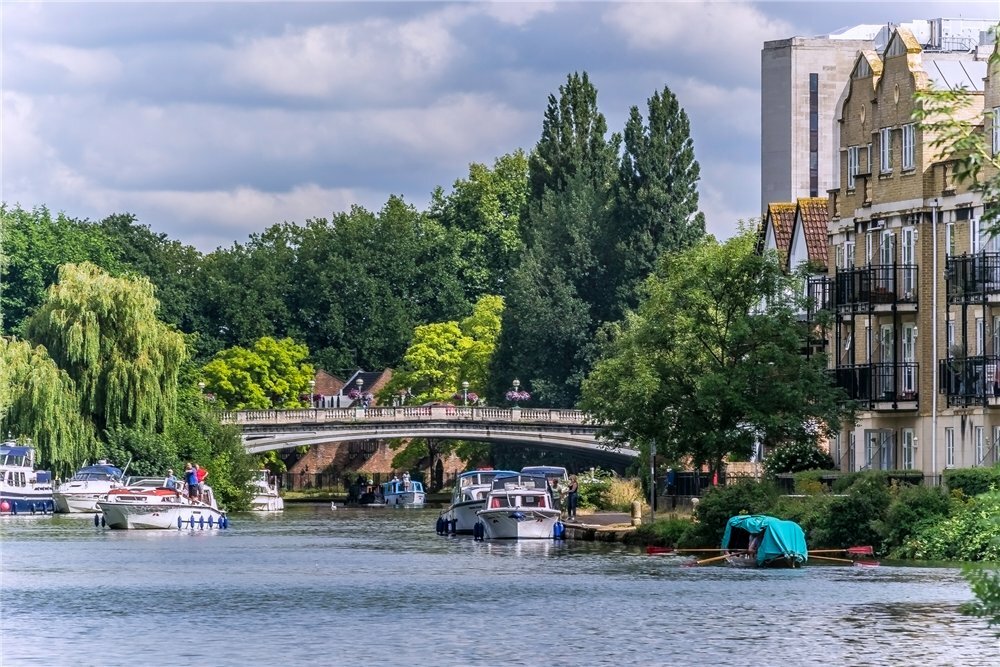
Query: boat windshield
(97,473)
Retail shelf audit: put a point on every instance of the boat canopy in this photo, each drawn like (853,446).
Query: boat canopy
(779,538)
(98,472)
(512,480)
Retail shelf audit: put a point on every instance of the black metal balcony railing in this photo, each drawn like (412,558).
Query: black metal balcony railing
(969,380)
(971,278)
(863,288)
(885,382)
(819,296)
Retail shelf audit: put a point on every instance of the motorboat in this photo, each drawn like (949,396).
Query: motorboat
(23,490)
(146,504)
(265,493)
(468,497)
(757,540)
(81,492)
(402,493)
(519,507)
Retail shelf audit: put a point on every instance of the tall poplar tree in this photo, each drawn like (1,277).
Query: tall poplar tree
(656,206)
(104,333)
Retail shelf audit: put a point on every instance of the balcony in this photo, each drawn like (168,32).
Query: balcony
(876,287)
(973,278)
(881,386)
(968,381)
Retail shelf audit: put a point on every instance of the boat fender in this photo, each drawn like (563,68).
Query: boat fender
(559,530)
(224,521)
(32,508)
(439,527)
(201,522)
(210,522)
(13,507)
(97,521)
(453,528)
(103,522)
(180,522)
(191,521)
(478,531)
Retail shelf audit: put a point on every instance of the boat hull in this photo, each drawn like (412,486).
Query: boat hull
(466,515)
(518,524)
(120,516)
(77,503)
(27,503)
(267,503)
(406,499)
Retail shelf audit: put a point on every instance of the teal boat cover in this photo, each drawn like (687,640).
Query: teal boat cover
(780,539)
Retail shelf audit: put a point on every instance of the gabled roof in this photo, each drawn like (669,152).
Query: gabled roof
(777,231)
(811,219)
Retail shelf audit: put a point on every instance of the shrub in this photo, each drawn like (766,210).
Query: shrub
(811,512)
(722,502)
(811,482)
(856,518)
(913,508)
(973,481)
(594,489)
(795,457)
(621,493)
(969,533)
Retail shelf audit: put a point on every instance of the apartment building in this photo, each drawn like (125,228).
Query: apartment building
(913,279)
(803,80)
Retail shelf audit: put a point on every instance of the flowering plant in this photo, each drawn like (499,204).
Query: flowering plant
(515,395)
(354,395)
(472,397)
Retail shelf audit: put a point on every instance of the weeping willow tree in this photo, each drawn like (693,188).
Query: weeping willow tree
(104,333)
(39,401)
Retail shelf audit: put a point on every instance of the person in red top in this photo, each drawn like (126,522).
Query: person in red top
(201,474)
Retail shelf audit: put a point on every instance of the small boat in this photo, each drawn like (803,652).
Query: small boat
(265,493)
(90,483)
(400,493)
(146,504)
(468,497)
(23,490)
(757,540)
(519,507)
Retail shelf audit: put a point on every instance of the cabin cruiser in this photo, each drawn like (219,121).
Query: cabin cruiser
(265,493)
(90,483)
(402,493)
(467,498)
(146,504)
(518,507)
(23,490)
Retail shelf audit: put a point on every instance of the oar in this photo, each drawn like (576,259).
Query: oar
(656,551)
(837,560)
(651,550)
(707,560)
(854,551)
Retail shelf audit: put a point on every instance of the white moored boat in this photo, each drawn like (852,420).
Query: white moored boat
(400,493)
(467,498)
(265,493)
(90,483)
(145,504)
(519,507)
(23,490)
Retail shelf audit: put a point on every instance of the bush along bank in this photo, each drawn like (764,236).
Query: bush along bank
(899,519)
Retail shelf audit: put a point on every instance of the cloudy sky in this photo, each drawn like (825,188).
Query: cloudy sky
(213,121)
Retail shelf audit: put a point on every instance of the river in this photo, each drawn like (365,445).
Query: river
(313,586)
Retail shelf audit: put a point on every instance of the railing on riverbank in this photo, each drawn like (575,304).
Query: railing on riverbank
(405,414)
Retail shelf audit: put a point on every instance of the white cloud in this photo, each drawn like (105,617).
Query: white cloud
(714,32)
(516,13)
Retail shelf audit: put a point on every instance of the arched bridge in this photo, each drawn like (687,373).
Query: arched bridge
(265,430)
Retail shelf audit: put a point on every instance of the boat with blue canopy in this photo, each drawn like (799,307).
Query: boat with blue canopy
(23,490)
(758,540)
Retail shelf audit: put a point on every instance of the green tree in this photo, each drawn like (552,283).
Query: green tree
(712,361)
(104,333)
(270,374)
(656,199)
(485,211)
(39,401)
(33,245)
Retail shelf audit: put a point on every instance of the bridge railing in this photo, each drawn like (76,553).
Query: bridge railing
(405,414)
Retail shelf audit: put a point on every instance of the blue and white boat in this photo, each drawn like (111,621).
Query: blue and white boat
(519,507)
(399,493)
(468,497)
(23,490)
(91,483)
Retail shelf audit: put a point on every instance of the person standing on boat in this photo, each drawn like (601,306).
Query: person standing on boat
(191,479)
(572,497)
(201,474)
(406,480)
(171,481)
(555,493)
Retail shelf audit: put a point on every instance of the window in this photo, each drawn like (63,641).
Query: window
(980,445)
(949,338)
(885,150)
(949,239)
(909,139)
(980,335)
(853,153)
(848,254)
(949,447)
(909,449)
(996,130)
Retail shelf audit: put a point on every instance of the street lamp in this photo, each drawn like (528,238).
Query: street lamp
(312,393)
(361,395)
(465,392)
(201,388)
(517,385)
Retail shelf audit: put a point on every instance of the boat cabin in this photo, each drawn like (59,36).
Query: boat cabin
(396,487)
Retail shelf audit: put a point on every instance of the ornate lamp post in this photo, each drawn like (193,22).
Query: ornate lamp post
(465,392)
(361,394)
(312,393)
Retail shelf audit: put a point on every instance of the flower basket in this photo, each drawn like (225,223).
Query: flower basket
(515,396)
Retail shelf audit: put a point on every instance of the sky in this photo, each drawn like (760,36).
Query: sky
(211,122)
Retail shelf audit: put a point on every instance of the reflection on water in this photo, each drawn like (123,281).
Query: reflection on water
(311,586)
